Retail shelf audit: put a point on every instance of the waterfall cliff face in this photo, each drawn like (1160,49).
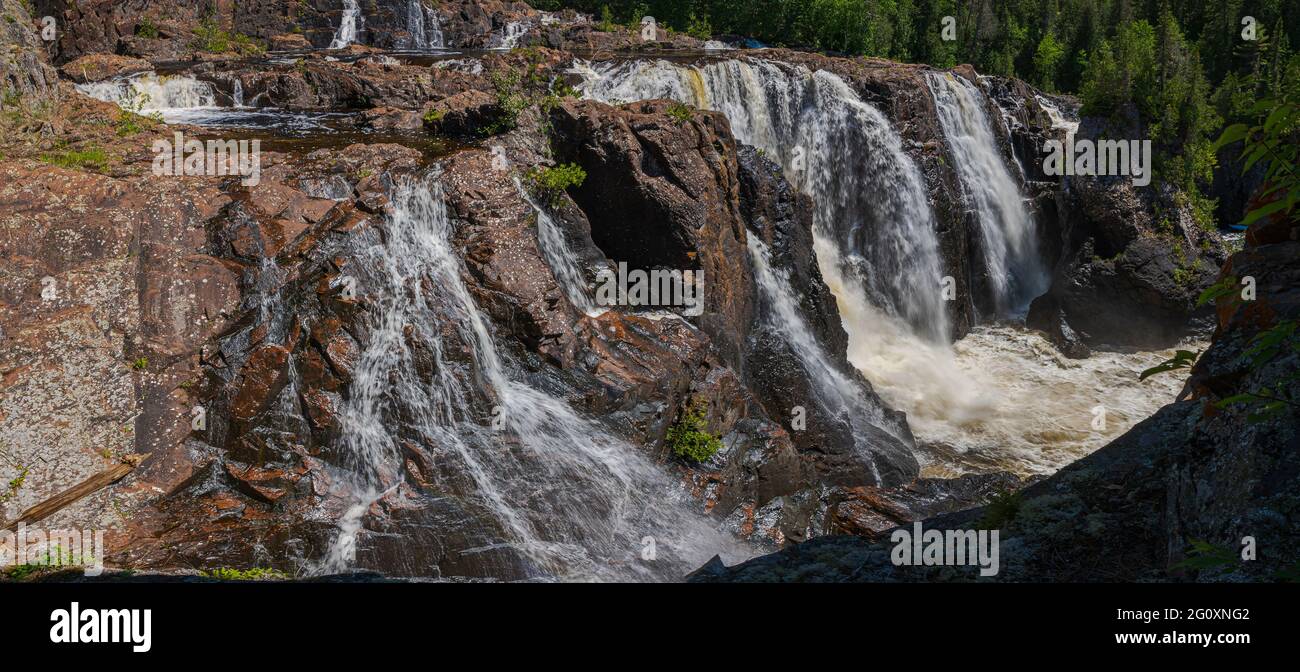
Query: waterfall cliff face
(349,25)
(1009,248)
(523,482)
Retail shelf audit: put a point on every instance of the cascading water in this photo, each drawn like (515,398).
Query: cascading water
(873,224)
(349,25)
(561,259)
(509,37)
(1015,268)
(423,25)
(835,392)
(150,92)
(873,235)
(554,488)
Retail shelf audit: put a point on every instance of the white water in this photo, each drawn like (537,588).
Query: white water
(557,487)
(149,92)
(1012,260)
(1059,121)
(835,392)
(509,37)
(561,259)
(422,23)
(349,25)
(1001,398)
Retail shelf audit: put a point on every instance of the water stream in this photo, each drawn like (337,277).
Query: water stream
(548,484)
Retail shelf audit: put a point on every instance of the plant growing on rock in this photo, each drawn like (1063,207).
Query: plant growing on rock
(550,183)
(252,574)
(15,484)
(147,29)
(681,113)
(1000,511)
(690,439)
(511,101)
(698,26)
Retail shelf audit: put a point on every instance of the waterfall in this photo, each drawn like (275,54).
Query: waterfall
(561,259)
(1010,246)
(510,35)
(873,230)
(349,25)
(422,23)
(1059,121)
(873,222)
(150,92)
(964,402)
(840,396)
(555,488)
(237,92)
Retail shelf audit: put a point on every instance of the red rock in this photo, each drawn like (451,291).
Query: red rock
(260,381)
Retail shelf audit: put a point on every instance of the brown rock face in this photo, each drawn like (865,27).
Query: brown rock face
(677,190)
(96,67)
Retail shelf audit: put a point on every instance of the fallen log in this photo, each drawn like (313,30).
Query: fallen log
(87,487)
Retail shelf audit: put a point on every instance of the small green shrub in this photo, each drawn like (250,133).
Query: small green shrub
(147,29)
(15,484)
(606,24)
(140,364)
(209,37)
(551,183)
(680,113)
(511,101)
(698,27)
(690,439)
(434,115)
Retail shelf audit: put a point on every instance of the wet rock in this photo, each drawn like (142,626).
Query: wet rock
(1127,276)
(260,380)
(678,193)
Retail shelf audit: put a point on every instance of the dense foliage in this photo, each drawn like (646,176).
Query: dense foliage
(1185,67)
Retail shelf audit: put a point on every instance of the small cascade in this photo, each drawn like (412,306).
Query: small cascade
(150,92)
(509,37)
(349,25)
(561,259)
(1012,260)
(523,471)
(237,91)
(1059,120)
(423,25)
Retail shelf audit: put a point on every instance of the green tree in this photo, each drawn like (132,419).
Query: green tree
(1047,58)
